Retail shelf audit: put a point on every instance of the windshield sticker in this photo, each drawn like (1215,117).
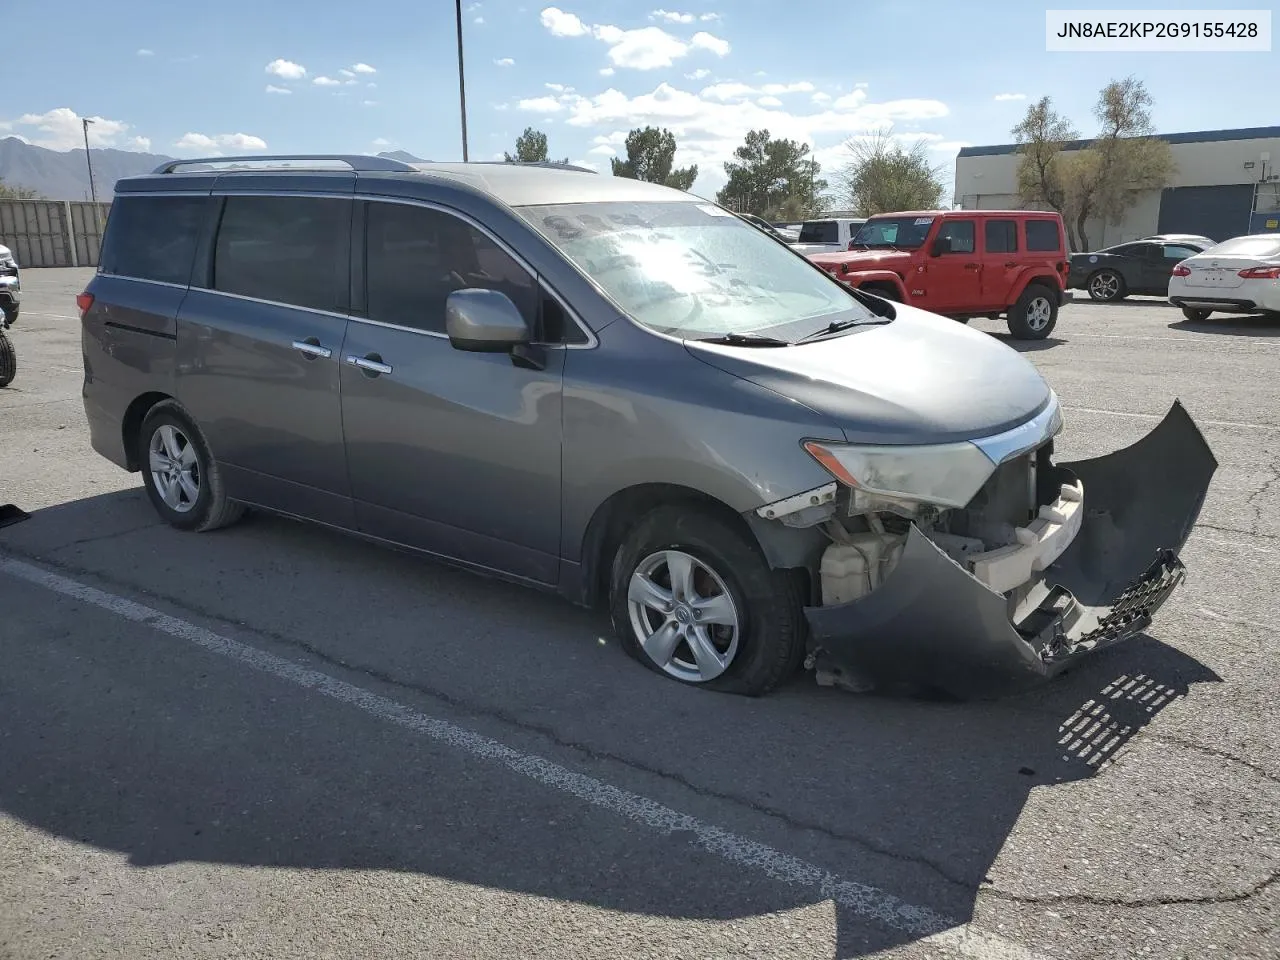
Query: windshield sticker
(713,211)
(923,221)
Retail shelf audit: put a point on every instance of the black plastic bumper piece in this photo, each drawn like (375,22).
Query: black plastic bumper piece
(932,624)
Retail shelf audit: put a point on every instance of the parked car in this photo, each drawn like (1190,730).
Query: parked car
(10,285)
(963,264)
(625,394)
(790,231)
(1139,268)
(823,236)
(1241,275)
(766,226)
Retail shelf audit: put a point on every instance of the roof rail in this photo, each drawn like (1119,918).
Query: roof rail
(554,164)
(357,162)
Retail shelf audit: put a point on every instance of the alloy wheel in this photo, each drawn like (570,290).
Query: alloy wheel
(1039,312)
(1104,286)
(175,468)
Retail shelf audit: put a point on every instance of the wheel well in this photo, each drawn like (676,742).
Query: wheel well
(1041,281)
(615,517)
(882,288)
(131,425)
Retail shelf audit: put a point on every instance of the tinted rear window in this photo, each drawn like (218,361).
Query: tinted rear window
(1001,236)
(290,250)
(820,231)
(153,237)
(1043,236)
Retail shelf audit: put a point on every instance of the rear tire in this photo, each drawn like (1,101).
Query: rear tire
(1035,314)
(1106,286)
(8,361)
(179,472)
(1196,316)
(751,614)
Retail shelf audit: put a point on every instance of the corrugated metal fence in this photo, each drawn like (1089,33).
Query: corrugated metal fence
(53,233)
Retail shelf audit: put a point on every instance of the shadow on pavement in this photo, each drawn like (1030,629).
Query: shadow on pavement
(147,746)
(1082,299)
(1028,346)
(1246,325)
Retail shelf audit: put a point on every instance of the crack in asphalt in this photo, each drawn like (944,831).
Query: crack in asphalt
(1253,499)
(109,536)
(502,716)
(1084,899)
(1214,752)
(1239,532)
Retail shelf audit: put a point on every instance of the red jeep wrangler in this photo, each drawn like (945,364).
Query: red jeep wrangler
(963,264)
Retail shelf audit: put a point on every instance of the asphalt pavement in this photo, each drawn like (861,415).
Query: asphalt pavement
(279,741)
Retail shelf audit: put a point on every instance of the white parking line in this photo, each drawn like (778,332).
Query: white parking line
(49,316)
(1160,416)
(867,902)
(1209,338)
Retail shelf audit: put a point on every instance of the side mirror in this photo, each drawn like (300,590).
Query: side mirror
(941,245)
(484,321)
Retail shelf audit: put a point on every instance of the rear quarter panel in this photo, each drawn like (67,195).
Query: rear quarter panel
(128,342)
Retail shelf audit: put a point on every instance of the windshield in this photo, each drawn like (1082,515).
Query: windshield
(1265,246)
(693,270)
(903,233)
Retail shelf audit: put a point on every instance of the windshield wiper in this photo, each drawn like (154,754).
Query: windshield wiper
(831,328)
(745,340)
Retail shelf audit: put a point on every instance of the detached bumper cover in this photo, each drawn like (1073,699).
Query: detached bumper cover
(931,622)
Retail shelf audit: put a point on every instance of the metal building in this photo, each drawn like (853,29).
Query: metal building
(1226,183)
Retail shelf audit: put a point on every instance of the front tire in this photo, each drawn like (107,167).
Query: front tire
(179,472)
(1035,314)
(8,361)
(1195,315)
(692,598)
(1106,286)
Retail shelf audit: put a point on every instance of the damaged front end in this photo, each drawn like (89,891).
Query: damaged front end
(1045,564)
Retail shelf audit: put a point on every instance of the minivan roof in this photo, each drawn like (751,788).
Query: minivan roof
(514,184)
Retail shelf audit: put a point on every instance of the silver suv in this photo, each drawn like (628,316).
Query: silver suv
(625,394)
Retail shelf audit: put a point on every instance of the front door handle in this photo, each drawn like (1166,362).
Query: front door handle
(973,266)
(311,348)
(1010,264)
(372,363)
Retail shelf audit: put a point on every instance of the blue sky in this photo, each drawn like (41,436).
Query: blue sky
(200,79)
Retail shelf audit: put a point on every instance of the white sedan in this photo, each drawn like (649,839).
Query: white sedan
(1241,275)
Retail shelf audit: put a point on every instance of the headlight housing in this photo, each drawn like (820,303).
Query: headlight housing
(947,475)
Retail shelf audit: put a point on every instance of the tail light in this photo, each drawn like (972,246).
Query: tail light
(1181,271)
(1261,273)
(84,301)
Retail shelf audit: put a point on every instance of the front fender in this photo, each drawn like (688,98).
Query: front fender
(860,278)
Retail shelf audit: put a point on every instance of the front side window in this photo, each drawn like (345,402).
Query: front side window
(961,235)
(291,250)
(693,270)
(153,237)
(415,257)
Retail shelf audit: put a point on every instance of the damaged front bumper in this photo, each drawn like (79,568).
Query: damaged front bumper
(931,623)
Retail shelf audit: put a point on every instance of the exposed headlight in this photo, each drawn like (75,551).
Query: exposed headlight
(948,475)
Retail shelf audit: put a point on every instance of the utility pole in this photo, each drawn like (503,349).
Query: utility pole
(93,191)
(462,83)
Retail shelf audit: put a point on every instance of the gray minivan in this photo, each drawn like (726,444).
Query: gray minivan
(626,394)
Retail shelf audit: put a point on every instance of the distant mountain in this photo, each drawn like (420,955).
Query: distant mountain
(62,175)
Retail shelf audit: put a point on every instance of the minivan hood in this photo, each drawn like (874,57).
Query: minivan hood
(920,379)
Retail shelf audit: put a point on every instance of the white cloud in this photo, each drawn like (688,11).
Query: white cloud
(479,21)
(370,85)
(671,17)
(705,41)
(774,89)
(821,97)
(326,82)
(382,142)
(559,88)
(363,68)
(222,141)
(346,73)
(505,62)
(272,88)
(1010,96)
(709,16)
(861,86)
(146,53)
(60,129)
(541,105)
(142,144)
(769,102)
(645,48)
(351,83)
(698,74)
(286,69)
(604,150)
(607,71)
(370,103)
(711,127)
(562,24)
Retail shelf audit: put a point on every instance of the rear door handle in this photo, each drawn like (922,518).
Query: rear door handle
(370,364)
(1010,264)
(310,347)
(973,266)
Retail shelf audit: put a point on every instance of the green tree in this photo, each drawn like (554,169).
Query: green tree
(651,155)
(531,147)
(773,178)
(17,193)
(1102,178)
(882,177)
